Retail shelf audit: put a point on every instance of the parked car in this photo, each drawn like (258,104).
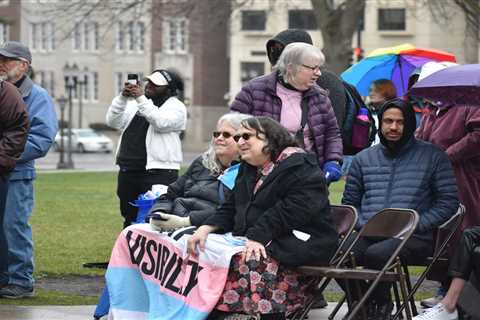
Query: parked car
(84,140)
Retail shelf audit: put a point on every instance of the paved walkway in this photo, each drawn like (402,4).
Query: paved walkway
(86,312)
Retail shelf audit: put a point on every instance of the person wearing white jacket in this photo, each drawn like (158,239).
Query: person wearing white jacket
(149,150)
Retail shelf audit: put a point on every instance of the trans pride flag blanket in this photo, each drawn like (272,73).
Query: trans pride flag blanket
(150,276)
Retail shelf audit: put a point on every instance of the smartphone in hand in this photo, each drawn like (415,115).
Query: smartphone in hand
(132,78)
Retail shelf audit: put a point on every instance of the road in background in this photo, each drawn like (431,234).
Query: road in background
(93,161)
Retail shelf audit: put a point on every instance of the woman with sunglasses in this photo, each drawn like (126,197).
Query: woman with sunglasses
(196,194)
(291,96)
(276,181)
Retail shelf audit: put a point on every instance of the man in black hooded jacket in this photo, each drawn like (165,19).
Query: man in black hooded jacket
(399,172)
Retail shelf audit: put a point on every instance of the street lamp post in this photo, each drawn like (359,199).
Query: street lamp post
(62,102)
(81,82)
(71,77)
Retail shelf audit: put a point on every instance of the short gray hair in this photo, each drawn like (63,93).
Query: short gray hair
(295,54)
(209,158)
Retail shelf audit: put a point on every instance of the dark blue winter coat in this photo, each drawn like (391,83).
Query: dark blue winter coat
(419,177)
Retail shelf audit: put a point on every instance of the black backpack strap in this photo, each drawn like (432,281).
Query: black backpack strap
(303,122)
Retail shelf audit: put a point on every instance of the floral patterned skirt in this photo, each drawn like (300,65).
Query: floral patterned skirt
(264,286)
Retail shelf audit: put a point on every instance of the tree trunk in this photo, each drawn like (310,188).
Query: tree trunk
(471,41)
(337,24)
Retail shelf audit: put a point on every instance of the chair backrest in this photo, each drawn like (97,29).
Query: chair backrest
(345,218)
(445,232)
(391,223)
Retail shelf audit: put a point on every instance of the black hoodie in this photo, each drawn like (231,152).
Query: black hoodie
(409,125)
(328,80)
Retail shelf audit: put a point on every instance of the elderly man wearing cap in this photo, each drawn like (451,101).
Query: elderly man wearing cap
(149,151)
(15,61)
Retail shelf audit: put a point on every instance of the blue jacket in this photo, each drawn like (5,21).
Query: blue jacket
(420,177)
(43,128)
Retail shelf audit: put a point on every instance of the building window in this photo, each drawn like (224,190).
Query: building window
(42,36)
(119,81)
(302,19)
(391,19)
(46,79)
(95,86)
(130,36)
(85,36)
(254,20)
(85,83)
(33,36)
(52,84)
(250,70)
(4,32)
(141,36)
(77,37)
(95,34)
(176,40)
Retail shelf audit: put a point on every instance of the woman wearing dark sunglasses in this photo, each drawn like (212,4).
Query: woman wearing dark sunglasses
(195,195)
(276,180)
(291,96)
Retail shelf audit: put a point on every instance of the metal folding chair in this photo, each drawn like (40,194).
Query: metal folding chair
(344,218)
(388,223)
(443,236)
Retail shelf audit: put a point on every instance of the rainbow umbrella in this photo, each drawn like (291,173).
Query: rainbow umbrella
(394,63)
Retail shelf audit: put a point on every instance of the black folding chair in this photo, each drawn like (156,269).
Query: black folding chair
(389,223)
(344,218)
(443,236)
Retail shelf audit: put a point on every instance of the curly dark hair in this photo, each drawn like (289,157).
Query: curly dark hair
(277,137)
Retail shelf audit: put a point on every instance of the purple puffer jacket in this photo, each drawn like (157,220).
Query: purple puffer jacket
(259,98)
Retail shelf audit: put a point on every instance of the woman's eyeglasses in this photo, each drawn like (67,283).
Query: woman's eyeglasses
(314,68)
(224,134)
(245,136)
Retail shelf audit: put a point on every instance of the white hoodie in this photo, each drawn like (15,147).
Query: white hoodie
(163,145)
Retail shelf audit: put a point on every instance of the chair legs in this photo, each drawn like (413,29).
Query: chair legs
(337,308)
(403,289)
(409,288)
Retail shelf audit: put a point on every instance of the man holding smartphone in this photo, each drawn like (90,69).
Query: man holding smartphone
(149,150)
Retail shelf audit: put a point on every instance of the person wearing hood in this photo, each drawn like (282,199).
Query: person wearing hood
(291,96)
(455,129)
(149,151)
(399,172)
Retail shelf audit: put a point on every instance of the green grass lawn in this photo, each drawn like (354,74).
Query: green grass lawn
(76,220)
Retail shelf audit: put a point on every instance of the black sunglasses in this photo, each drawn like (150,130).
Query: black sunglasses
(224,134)
(245,136)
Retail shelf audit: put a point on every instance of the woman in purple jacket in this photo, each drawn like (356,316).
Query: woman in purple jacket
(290,91)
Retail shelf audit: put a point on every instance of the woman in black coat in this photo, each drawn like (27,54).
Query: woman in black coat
(280,205)
(196,194)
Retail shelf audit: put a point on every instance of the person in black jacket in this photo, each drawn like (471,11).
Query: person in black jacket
(280,204)
(194,196)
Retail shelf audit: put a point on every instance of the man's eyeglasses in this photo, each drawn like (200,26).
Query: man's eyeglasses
(245,136)
(314,68)
(224,134)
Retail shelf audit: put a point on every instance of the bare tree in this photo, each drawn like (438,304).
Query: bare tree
(338,22)
(337,19)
